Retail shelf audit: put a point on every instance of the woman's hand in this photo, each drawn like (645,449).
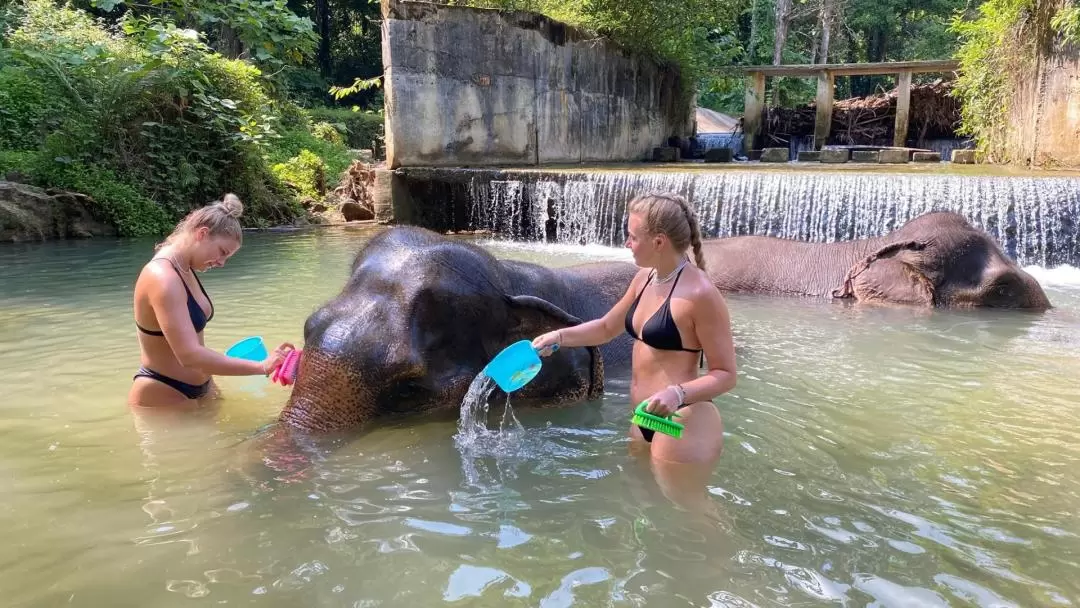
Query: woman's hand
(664,403)
(545,344)
(276,358)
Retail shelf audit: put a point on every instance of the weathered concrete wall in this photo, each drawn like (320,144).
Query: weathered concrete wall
(466,86)
(1057,135)
(1045,111)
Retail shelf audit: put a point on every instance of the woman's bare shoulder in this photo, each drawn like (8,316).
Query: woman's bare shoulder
(704,290)
(157,277)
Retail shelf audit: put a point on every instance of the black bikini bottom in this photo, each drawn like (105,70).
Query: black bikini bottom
(191,391)
(648,433)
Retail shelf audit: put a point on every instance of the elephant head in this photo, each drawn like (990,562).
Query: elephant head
(939,259)
(418,319)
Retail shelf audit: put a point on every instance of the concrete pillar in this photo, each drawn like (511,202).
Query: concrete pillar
(754,104)
(823,120)
(903,108)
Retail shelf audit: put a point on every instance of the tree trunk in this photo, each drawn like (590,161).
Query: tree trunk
(783,19)
(828,15)
(750,46)
(229,44)
(322,18)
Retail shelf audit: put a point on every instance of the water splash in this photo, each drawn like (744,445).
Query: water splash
(477,442)
(473,434)
(1033,218)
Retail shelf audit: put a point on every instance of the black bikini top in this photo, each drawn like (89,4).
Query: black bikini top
(659,331)
(198,317)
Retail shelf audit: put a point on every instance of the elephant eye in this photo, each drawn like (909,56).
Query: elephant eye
(1003,290)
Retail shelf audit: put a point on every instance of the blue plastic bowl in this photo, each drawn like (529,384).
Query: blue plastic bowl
(515,366)
(251,349)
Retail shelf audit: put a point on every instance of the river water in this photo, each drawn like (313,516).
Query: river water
(872,457)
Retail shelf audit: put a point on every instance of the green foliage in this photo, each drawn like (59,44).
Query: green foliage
(294,142)
(17,161)
(145,113)
(305,173)
(361,128)
(997,47)
(29,108)
(328,132)
(263,30)
(691,33)
(120,202)
(1067,23)
(358,85)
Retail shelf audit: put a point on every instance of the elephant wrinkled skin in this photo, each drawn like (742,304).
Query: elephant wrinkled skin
(937,259)
(421,314)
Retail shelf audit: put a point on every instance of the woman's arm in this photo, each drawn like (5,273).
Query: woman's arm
(169,301)
(595,332)
(712,326)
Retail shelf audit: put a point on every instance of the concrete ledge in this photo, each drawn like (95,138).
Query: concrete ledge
(864,156)
(893,156)
(666,154)
(718,155)
(775,155)
(963,157)
(809,156)
(840,155)
(926,157)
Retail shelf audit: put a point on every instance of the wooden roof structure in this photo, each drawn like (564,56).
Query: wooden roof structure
(826,74)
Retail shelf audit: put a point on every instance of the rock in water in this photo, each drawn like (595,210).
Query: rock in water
(29,213)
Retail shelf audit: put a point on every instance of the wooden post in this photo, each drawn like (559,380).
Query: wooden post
(903,108)
(754,104)
(823,120)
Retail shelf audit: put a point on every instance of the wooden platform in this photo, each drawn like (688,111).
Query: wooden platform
(826,74)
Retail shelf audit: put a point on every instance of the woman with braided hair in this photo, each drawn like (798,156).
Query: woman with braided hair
(675,315)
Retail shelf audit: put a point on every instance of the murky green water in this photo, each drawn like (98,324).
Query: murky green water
(873,457)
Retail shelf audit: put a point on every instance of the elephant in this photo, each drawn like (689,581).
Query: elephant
(421,313)
(937,259)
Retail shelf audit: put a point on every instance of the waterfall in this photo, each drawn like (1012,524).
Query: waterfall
(1035,219)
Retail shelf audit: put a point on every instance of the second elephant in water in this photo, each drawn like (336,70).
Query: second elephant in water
(935,260)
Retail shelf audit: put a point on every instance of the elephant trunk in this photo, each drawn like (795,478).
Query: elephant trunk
(328,395)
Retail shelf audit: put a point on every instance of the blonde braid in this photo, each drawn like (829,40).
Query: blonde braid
(695,232)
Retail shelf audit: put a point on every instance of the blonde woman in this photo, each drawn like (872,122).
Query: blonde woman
(172,309)
(675,315)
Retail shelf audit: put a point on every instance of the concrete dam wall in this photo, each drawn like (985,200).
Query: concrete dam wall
(482,87)
(1046,110)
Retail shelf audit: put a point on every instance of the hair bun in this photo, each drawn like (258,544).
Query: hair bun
(232,205)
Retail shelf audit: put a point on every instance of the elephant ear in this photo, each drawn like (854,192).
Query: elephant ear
(889,275)
(533,316)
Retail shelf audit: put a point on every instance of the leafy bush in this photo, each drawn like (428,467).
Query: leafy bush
(292,142)
(361,128)
(328,132)
(152,103)
(29,108)
(305,173)
(999,52)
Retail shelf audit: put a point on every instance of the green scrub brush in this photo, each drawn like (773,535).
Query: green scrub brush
(656,423)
